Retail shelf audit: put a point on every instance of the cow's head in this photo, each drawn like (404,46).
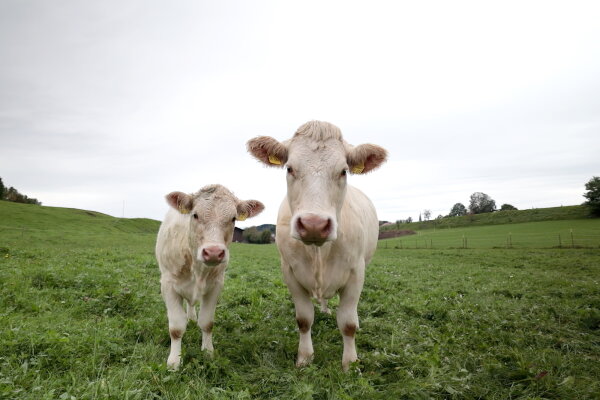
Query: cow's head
(212,213)
(318,161)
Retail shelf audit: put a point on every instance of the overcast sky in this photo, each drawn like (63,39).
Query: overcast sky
(110,105)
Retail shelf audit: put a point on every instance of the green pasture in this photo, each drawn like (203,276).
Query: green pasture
(578,233)
(81,318)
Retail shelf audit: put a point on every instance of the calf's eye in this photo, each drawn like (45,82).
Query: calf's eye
(290,170)
(344,172)
(195,216)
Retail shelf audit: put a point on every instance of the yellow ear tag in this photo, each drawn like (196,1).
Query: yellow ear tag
(242,217)
(274,160)
(357,169)
(183,210)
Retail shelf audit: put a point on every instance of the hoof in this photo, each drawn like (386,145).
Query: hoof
(303,361)
(174,363)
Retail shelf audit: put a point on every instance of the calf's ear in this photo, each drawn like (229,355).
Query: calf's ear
(268,150)
(249,209)
(365,158)
(182,202)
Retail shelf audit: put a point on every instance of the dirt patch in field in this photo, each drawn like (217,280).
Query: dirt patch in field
(393,234)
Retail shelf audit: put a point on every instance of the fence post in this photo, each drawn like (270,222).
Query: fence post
(559,242)
(572,240)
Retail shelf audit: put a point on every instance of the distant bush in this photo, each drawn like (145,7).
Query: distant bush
(508,207)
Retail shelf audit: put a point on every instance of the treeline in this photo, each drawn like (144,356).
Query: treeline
(12,194)
(256,236)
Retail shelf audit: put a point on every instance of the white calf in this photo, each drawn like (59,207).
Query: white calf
(192,253)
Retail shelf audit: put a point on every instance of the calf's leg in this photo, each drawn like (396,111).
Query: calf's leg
(206,317)
(177,323)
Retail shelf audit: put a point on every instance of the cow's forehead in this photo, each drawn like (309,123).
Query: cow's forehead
(215,200)
(328,152)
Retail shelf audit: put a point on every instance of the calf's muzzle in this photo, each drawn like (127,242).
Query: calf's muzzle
(213,255)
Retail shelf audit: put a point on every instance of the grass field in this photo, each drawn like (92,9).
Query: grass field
(81,318)
(577,233)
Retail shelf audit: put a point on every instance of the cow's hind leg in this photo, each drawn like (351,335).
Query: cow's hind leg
(206,317)
(177,323)
(347,316)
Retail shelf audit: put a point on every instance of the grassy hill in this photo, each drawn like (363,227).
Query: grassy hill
(68,226)
(498,218)
(81,317)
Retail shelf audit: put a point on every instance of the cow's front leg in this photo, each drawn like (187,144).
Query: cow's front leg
(177,323)
(305,314)
(206,316)
(347,316)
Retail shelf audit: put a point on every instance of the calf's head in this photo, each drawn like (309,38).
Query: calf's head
(318,161)
(212,213)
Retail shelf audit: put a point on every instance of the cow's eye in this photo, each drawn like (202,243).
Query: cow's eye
(290,170)
(233,220)
(195,215)
(344,172)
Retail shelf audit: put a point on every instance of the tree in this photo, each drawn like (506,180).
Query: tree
(2,189)
(481,203)
(593,195)
(508,207)
(458,210)
(265,236)
(408,220)
(253,235)
(426,215)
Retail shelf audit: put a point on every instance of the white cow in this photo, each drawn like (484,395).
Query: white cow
(192,253)
(326,229)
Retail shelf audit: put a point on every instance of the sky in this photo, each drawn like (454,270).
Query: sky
(110,105)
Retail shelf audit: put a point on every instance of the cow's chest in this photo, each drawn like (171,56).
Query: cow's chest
(196,285)
(321,279)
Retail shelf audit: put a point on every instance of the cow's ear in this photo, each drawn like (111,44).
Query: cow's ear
(365,158)
(249,209)
(180,201)
(268,150)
